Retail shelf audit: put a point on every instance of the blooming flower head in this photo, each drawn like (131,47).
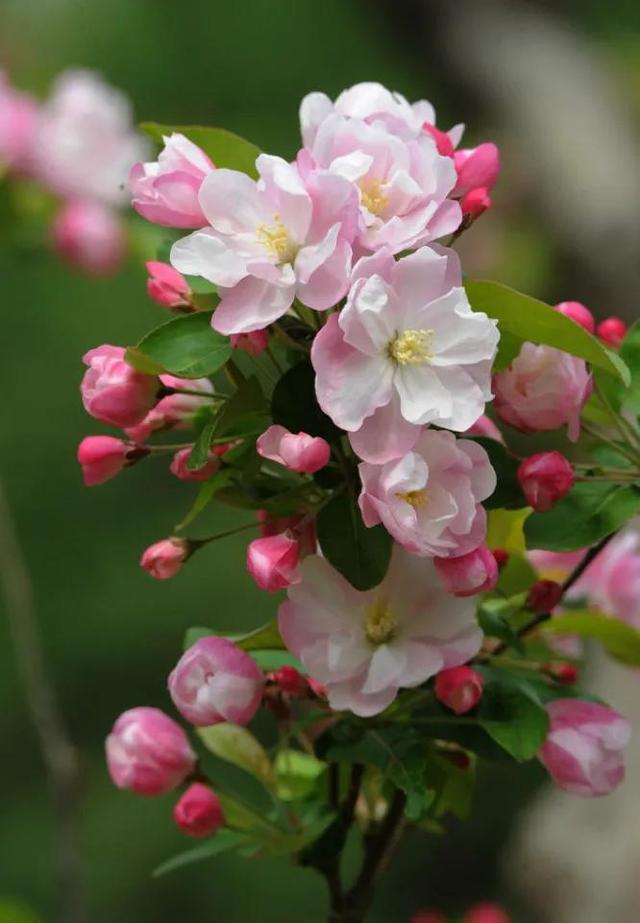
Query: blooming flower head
(430,499)
(271,241)
(407,350)
(365,646)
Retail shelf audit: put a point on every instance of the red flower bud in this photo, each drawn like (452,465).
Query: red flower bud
(612,330)
(545,478)
(565,673)
(290,681)
(459,688)
(198,812)
(544,596)
(476,202)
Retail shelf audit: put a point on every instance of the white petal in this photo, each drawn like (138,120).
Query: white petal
(205,254)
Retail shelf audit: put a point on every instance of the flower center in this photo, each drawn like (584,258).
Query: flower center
(413,347)
(380,623)
(416,498)
(372,197)
(275,239)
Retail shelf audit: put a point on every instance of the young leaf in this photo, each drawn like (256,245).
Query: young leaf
(505,530)
(223,841)
(237,745)
(531,320)
(360,554)
(225,148)
(294,404)
(620,640)
(514,718)
(297,774)
(185,346)
(507,494)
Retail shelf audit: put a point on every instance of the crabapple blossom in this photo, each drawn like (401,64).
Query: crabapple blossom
(198,811)
(475,203)
(542,389)
(215,681)
(484,426)
(296,451)
(175,411)
(270,242)
(273,561)
(406,350)
(165,558)
(253,343)
(148,753)
(113,391)
(578,313)
(430,499)
(86,140)
(471,573)
(103,457)
(165,191)
(477,168)
(166,286)
(365,646)
(612,330)
(583,751)
(301,526)
(459,688)
(180,468)
(89,236)
(18,125)
(545,478)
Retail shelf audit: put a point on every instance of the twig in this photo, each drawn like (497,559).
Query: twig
(58,753)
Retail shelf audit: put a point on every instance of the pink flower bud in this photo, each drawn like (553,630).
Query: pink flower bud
(198,812)
(583,751)
(565,673)
(148,753)
(612,331)
(252,343)
(18,127)
(476,202)
(578,313)
(544,596)
(475,572)
(166,285)
(166,192)
(444,144)
(486,913)
(478,166)
(545,478)
(459,688)
(175,411)
(273,562)
(179,466)
(215,681)
(484,426)
(89,236)
(298,452)
(164,559)
(290,681)
(103,457)
(113,391)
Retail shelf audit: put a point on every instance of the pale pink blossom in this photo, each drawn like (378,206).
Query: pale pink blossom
(471,573)
(103,457)
(253,343)
(215,681)
(112,390)
(430,500)
(19,114)
(165,191)
(148,753)
(165,558)
(270,242)
(477,167)
(166,286)
(273,561)
(578,313)
(459,688)
(175,411)
(584,749)
(407,350)
(365,646)
(180,468)
(296,451)
(543,389)
(484,426)
(198,811)
(89,236)
(86,141)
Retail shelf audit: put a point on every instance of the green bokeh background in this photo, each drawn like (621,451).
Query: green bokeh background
(111,633)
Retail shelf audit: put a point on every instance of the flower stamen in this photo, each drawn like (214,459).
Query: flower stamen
(380,622)
(275,239)
(372,197)
(412,347)
(415,498)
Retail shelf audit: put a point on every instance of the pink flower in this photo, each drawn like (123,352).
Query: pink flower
(271,241)
(215,681)
(476,167)
(364,647)
(407,350)
(486,912)
(476,202)
(273,561)
(164,559)
(545,478)
(578,313)
(166,286)
(583,751)
(612,331)
(179,466)
(166,191)
(89,236)
(484,426)
(18,126)
(471,573)
(198,812)
(301,527)
(430,500)
(253,343)
(103,457)
(175,411)
(459,688)
(612,580)
(148,753)
(296,451)
(86,140)
(542,389)
(402,184)
(113,391)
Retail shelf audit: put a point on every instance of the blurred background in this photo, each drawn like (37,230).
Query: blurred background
(557,85)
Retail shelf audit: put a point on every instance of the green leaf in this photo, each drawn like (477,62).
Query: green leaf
(507,494)
(273,660)
(620,397)
(589,512)
(223,841)
(453,786)
(620,640)
(237,745)
(297,774)
(492,618)
(185,346)
(360,554)
(265,638)
(223,147)
(206,493)
(505,530)
(294,404)
(410,776)
(512,715)
(534,321)
(199,455)
(247,400)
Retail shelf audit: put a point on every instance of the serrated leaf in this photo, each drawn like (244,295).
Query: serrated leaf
(223,841)
(185,346)
(620,640)
(360,554)
(225,148)
(237,745)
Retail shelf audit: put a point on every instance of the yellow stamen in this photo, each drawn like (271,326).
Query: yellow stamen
(380,622)
(275,238)
(372,197)
(412,347)
(416,498)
